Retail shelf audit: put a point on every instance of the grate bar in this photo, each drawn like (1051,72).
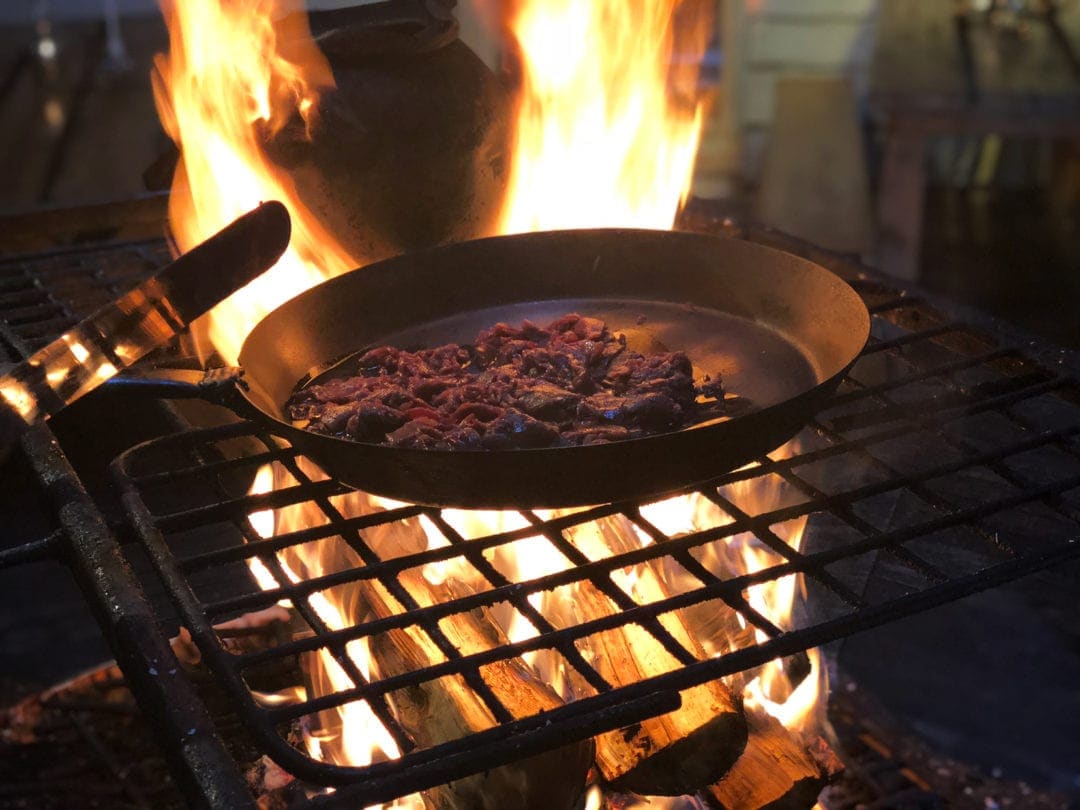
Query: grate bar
(231,507)
(282,541)
(406,600)
(34,551)
(601,568)
(340,652)
(519,601)
(733,600)
(373,789)
(639,614)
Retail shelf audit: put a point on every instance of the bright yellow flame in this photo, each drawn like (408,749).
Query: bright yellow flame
(224,86)
(354,735)
(530,554)
(775,600)
(106,371)
(263,524)
(800,710)
(609,119)
(79,351)
(19,397)
(263,520)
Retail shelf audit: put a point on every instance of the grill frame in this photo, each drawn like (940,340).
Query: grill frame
(42,294)
(204,771)
(514,739)
(208,773)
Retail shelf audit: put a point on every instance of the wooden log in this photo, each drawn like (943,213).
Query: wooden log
(438,711)
(673,754)
(93,718)
(778,770)
(248,633)
(253,632)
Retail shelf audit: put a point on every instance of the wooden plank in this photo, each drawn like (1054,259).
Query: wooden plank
(815,183)
(1026,67)
(822,44)
(759,102)
(117,134)
(33,116)
(900,203)
(919,61)
(817,8)
(140,217)
(1027,119)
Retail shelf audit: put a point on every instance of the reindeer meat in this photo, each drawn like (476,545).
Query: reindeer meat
(573,382)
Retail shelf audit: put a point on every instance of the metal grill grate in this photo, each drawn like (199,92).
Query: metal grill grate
(82,744)
(948,463)
(43,294)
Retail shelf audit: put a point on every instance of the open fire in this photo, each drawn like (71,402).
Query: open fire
(352,734)
(224,86)
(606,135)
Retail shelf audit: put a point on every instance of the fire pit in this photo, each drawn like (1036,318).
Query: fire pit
(371,651)
(187,499)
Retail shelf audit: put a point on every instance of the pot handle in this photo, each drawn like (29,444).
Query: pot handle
(219,386)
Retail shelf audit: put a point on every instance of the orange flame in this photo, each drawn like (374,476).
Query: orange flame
(796,709)
(232,78)
(352,733)
(609,122)
(610,117)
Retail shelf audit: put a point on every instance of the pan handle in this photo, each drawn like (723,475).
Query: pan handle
(220,386)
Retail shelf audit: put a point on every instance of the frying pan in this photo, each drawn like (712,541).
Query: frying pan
(780,330)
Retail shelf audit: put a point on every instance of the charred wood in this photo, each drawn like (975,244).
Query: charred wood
(779,770)
(253,632)
(677,753)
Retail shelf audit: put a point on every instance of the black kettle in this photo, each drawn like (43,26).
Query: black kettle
(410,148)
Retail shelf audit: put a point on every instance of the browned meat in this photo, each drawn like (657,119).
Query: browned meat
(572,382)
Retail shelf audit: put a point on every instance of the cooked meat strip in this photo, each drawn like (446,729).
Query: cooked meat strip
(572,382)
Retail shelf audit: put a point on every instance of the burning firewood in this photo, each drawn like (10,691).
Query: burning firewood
(250,633)
(778,770)
(447,708)
(92,722)
(676,753)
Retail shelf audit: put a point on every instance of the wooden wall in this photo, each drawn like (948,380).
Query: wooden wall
(768,39)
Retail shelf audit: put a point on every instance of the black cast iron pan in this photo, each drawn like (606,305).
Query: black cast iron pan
(781,330)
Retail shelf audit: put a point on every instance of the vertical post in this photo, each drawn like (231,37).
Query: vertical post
(900,200)
(116,53)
